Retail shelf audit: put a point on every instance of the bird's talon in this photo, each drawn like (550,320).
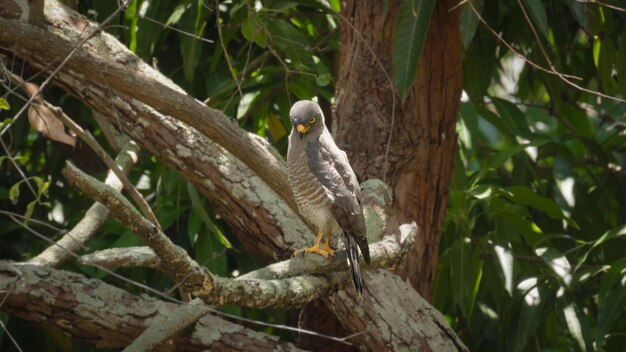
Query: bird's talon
(326,252)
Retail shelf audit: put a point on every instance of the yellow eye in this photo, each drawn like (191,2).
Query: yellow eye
(312,120)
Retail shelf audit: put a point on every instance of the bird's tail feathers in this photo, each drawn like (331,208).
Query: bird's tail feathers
(352,249)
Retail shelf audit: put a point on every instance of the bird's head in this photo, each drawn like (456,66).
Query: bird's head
(307,118)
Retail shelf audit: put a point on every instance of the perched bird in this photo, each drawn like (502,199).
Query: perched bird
(325,186)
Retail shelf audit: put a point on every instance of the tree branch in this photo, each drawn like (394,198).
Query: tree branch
(94,218)
(111,317)
(107,62)
(178,265)
(165,328)
(218,166)
(250,291)
(127,257)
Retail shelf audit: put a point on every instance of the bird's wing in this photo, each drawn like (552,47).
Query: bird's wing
(330,166)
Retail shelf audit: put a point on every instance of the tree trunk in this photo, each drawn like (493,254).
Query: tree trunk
(411,146)
(414,152)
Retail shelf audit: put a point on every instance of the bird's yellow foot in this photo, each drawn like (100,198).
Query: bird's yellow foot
(329,249)
(326,252)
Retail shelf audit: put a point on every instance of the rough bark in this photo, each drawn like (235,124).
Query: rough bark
(111,317)
(421,151)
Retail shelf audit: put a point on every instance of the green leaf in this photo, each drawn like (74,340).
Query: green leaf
(254,30)
(620,65)
(469,21)
(194,21)
(609,309)
(513,117)
(323,80)
(29,210)
(465,274)
(411,29)
(616,273)
(499,159)
(293,43)
(4,105)
(504,253)
(526,196)
(177,14)
(538,15)
(577,325)
(577,8)
(14,192)
(198,208)
(558,263)
(530,315)
(616,232)
(605,62)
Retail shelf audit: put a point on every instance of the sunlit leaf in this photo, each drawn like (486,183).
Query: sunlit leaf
(29,211)
(410,34)
(4,105)
(526,196)
(577,325)
(605,62)
(14,192)
(530,314)
(558,263)
(504,254)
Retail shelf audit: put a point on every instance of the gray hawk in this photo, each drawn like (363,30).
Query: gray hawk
(325,187)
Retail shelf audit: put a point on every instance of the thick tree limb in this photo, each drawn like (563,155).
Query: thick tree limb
(94,218)
(384,254)
(108,62)
(394,315)
(110,317)
(251,292)
(168,326)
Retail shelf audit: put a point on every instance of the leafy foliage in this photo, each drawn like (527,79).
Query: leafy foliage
(538,191)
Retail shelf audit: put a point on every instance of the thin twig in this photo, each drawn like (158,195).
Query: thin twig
(219,34)
(167,26)
(564,77)
(39,222)
(93,144)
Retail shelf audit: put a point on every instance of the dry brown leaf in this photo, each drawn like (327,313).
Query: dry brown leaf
(42,118)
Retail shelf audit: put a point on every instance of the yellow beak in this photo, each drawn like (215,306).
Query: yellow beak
(302,129)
